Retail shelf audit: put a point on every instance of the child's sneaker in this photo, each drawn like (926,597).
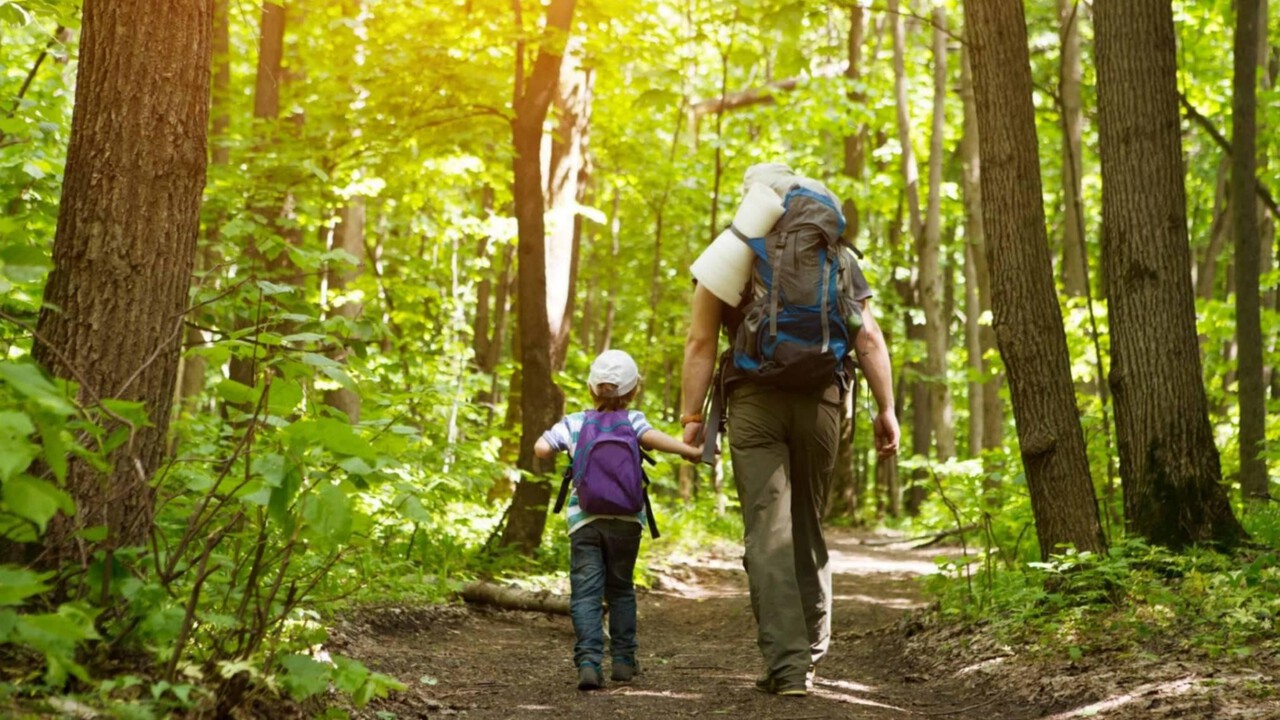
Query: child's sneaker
(624,669)
(590,677)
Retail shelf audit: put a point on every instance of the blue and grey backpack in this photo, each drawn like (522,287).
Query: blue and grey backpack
(797,326)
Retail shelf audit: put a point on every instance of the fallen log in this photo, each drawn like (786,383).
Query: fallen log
(932,538)
(509,598)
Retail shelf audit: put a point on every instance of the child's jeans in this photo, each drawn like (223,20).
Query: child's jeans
(602,557)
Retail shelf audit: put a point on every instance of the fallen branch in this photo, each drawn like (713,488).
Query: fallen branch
(509,598)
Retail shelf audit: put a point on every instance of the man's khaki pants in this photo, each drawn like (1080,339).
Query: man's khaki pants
(784,451)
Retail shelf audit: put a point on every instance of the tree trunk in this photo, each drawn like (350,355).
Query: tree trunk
(1168,463)
(125,245)
(1207,271)
(541,400)
(854,143)
(566,188)
(1251,390)
(1074,253)
(937,322)
(266,106)
(193,368)
(975,241)
(1028,322)
(349,237)
(910,173)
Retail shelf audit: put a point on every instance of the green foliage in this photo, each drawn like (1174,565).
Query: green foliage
(1134,598)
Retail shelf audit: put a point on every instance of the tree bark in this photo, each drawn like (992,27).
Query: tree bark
(541,400)
(266,106)
(1219,229)
(937,326)
(1074,254)
(510,598)
(975,261)
(1028,322)
(1251,390)
(347,236)
(125,245)
(566,189)
(1168,462)
(193,368)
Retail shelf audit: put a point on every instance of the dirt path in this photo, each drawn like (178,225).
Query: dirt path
(698,654)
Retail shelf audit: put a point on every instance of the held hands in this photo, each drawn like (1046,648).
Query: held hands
(886,431)
(693,433)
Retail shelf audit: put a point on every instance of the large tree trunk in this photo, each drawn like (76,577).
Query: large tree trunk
(1168,463)
(937,326)
(1074,254)
(349,237)
(125,245)
(1028,322)
(1251,390)
(541,400)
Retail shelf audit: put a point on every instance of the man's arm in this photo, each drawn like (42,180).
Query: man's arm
(873,358)
(699,357)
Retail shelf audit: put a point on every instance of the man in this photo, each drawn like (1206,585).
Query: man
(784,446)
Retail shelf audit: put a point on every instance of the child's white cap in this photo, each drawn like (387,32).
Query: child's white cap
(614,367)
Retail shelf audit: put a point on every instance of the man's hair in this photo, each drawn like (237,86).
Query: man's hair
(604,400)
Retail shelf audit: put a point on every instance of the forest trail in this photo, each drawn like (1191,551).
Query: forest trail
(698,655)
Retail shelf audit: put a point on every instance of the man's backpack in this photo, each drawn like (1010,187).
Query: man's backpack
(605,468)
(795,333)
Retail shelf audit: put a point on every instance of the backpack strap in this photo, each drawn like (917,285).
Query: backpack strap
(564,487)
(827,267)
(774,292)
(648,507)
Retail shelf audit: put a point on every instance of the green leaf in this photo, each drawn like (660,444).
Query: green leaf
(55,446)
(320,361)
(334,435)
(341,377)
(328,513)
(237,393)
(356,466)
(16,451)
(18,584)
(27,380)
(30,168)
(269,288)
(285,395)
(304,676)
(36,500)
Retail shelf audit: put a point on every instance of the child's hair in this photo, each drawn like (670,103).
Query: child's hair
(605,401)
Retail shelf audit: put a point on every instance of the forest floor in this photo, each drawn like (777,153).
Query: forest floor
(698,658)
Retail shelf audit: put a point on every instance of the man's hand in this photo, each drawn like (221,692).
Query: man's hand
(693,434)
(886,430)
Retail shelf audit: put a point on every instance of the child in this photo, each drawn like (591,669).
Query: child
(603,548)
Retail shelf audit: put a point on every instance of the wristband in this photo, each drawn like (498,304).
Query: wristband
(694,418)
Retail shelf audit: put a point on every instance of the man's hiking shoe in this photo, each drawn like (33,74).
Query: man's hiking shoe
(623,670)
(778,686)
(589,677)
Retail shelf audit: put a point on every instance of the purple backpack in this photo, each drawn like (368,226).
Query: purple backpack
(606,470)
(606,465)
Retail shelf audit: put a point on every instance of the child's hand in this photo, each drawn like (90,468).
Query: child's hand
(695,456)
